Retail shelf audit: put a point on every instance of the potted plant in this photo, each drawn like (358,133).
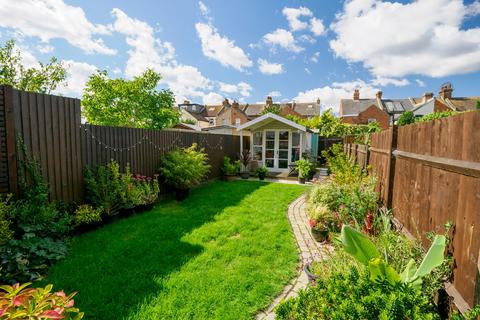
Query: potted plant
(245,159)
(320,219)
(230,168)
(261,173)
(184,168)
(303,167)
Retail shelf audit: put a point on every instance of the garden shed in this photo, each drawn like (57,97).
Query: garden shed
(276,142)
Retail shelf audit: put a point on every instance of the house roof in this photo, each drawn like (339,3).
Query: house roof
(223,126)
(351,107)
(267,118)
(463,103)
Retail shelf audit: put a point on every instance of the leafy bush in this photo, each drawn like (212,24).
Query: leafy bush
(303,167)
(408,117)
(185,168)
(437,115)
(148,189)
(344,169)
(5,232)
(20,302)
(321,218)
(353,295)
(105,187)
(86,214)
(261,172)
(230,168)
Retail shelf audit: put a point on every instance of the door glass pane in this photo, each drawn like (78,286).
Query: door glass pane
(283,164)
(270,135)
(295,154)
(257,138)
(257,153)
(270,144)
(283,135)
(269,154)
(283,144)
(283,154)
(269,163)
(295,139)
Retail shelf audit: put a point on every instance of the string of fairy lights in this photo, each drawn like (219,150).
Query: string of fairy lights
(177,142)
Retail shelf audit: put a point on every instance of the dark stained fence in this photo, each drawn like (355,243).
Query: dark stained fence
(429,174)
(142,149)
(51,130)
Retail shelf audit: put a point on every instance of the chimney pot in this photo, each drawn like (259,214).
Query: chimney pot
(186,101)
(379,95)
(427,96)
(226,102)
(356,94)
(269,101)
(446,91)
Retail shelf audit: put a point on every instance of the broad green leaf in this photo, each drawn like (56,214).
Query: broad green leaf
(433,258)
(358,245)
(409,271)
(380,270)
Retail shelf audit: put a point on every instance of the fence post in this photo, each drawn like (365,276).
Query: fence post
(10,139)
(391,165)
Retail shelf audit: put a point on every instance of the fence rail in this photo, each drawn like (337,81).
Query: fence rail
(429,174)
(51,130)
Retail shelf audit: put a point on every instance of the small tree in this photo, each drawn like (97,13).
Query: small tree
(406,118)
(273,108)
(478,105)
(129,103)
(44,79)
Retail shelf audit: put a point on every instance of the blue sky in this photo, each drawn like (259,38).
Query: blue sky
(295,50)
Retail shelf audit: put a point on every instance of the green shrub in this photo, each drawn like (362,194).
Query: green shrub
(5,232)
(105,187)
(303,167)
(86,214)
(344,169)
(352,295)
(437,115)
(408,117)
(20,302)
(230,168)
(321,218)
(261,171)
(185,168)
(148,189)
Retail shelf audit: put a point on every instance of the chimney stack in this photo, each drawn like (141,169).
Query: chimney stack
(235,104)
(379,95)
(446,91)
(269,101)
(427,96)
(356,94)
(226,103)
(318,101)
(186,101)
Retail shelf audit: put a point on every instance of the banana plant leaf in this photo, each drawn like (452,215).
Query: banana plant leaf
(358,245)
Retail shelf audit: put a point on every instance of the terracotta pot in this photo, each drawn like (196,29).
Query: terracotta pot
(245,174)
(230,177)
(301,180)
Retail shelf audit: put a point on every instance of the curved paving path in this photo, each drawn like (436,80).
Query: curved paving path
(309,250)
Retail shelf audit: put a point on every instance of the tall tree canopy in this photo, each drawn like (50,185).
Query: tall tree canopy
(128,103)
(43,79)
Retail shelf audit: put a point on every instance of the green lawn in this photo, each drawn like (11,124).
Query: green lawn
(224,253)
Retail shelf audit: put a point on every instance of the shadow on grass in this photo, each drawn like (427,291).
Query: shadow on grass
(113,269)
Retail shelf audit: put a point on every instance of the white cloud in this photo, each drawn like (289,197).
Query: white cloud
(266,67)
(53,19)
(330,95)
(203,8)
(307,70)
(274,94)
(242,87)
(293,15)
(381,35)
(473,9)
(383,82)
(77,75)
(317,27)
(420,83)
(282,38)
(149,52)
(212,98)
(221,49)
(307,38)
(315,57)
(46,48)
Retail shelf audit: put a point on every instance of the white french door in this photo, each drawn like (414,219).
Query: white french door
(277,149)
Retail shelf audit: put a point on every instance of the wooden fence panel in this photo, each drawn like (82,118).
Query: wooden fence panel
(380,154)
(430,191)
(4,187)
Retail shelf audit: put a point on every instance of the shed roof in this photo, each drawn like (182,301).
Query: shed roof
(268,118)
